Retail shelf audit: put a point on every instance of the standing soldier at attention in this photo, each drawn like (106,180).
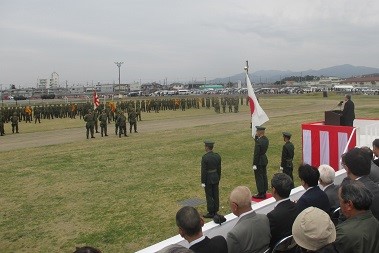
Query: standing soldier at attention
(2,119)
(103,118)
(132,118)
(121,122)
(210,178)
(14,122)
(260,162)
(288,153)
(89,118)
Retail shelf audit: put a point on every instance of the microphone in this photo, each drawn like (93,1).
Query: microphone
(340,103)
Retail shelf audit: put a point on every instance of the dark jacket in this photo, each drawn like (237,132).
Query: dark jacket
(210,168)
(313,197)
(348,114)
(374,189)
(260,149)
(216,244)
(281,220)
(332,193)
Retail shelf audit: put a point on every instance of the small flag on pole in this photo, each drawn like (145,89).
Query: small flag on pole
(96,100)
(258,116)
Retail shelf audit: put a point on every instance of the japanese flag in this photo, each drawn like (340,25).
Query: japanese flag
(258,116)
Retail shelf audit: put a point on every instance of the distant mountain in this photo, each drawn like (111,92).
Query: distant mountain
(342,71)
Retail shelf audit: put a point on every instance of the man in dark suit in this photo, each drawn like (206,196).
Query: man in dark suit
(210,178)
(357,166)
(190,223)
(284,213)
(375,150)
(348,112)
(260,162)
(327,175)
(313,195)
(374,170)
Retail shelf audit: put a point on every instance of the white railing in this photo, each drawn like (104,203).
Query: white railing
(212,229)
(367,131)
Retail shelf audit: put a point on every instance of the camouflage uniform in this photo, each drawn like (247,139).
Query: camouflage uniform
(103,118)
(89,118)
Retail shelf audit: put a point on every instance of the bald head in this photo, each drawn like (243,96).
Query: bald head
(240,199)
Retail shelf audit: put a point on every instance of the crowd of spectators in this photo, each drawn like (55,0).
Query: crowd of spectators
(308,220)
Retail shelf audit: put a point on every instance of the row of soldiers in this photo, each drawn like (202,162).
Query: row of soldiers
(92,119)
(36,113)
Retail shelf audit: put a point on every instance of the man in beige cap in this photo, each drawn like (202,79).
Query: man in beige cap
(314,231)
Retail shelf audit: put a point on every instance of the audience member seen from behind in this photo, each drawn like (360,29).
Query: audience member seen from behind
(190,226)
(357,166)
(359,233)
(314,231)
(375,149)
(284,213)
(313,195)
(252,230)
(86,249)
(175,248)
(327,175)
(374,169)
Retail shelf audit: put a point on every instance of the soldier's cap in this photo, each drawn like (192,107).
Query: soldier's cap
(286,134)
(260,128)
(209,142)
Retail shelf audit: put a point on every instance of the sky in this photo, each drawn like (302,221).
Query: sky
(179,40)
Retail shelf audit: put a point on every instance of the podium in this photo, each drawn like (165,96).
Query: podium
(333,118)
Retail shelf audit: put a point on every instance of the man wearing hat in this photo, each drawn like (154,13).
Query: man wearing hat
(288,153)
(314,231)
(260,162)
(210,178)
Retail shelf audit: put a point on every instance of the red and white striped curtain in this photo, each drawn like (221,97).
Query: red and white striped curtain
(324,144)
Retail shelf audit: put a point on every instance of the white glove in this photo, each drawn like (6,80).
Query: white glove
(203,185)
(281,168)
(254,167)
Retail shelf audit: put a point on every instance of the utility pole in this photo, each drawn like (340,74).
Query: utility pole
(119,66)
(119,79)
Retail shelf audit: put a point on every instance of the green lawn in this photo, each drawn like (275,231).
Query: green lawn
(123,196)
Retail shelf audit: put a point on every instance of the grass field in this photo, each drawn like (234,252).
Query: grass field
(122,196)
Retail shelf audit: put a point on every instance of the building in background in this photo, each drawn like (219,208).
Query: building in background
(52,82)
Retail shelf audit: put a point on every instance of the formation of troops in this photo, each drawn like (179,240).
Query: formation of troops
(112,111)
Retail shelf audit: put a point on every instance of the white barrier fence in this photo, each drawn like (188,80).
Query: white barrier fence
(212,229)
(367,131)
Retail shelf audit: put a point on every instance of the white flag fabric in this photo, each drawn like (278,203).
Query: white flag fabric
(258,116)
(96,100)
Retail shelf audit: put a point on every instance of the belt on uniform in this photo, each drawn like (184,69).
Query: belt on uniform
(211,171)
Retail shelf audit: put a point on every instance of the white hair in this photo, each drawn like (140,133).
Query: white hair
(327,174)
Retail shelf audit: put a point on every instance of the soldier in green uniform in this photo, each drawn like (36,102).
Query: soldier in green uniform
(132,118)
(14,121)
(103,118)
(2,119)
(260,162)
(121,122)
(89,118)
(210,178)
(288,153)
